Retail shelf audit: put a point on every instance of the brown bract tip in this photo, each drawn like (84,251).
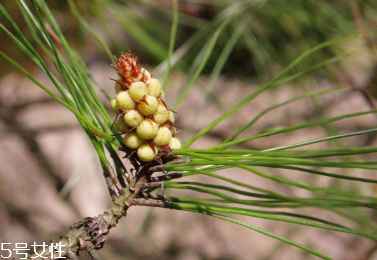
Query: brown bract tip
(143,100)
(165,150)
(151,144)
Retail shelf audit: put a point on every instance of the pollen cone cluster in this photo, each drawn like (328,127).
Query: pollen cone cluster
(142,113)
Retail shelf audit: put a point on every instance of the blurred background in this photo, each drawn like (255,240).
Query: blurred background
(50,176)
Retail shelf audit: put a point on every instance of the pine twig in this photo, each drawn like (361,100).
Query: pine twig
(153,196)
(150,203)
(91,233)
(177,160)
(152,185)
(114,177)
(92,252)
(170,176)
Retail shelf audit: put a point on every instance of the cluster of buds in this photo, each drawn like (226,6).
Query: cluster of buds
(142,113)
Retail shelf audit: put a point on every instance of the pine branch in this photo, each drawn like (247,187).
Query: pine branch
(91,233)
